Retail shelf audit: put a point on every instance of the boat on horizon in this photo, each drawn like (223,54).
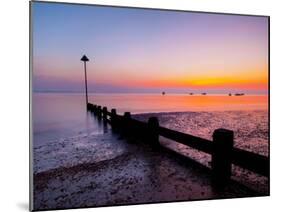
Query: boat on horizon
(239,94)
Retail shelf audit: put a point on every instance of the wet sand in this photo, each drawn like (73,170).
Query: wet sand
(138,175)
(103,168)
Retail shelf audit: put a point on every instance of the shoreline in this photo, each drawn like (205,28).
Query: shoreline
(195,111)
(108,169)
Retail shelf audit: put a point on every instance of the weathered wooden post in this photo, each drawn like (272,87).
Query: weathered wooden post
(89,106)
(221,157)
(127,118)
(113,118)
(94,109)
(99,111)
(126,123)
(127,115)
(104,113)
(153,134)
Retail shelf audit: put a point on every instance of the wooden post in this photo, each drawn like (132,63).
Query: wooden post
(104,113)
(94,109)
(99,111)
(153,135)
(126,123)
(113,118)
(221,157)
(127,115)
(89,106)
(127,118)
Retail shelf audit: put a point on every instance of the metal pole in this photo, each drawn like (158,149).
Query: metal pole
(86,87)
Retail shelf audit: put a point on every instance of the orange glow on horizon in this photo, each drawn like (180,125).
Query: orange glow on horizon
(257,80)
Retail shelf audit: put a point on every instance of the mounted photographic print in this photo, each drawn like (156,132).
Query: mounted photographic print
(136,105)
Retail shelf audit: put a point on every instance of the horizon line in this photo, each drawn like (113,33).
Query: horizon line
(193,93)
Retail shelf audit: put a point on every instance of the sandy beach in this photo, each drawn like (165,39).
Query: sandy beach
(99,167)
(138,174)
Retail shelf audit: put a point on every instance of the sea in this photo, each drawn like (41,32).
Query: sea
(58,114)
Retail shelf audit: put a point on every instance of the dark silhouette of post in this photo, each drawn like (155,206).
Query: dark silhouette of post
(85,59)
(127,121)
(153,134)
(104,113)
(221,157)
(99,111)
(113,118)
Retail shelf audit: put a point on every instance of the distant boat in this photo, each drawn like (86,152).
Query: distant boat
(190,93)
(163,93)
(229,94)
(239,94)
(204,94)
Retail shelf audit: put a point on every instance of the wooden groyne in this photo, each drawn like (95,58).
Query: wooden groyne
(221,148)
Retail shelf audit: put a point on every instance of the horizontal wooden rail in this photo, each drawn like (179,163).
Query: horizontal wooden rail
(139,123)
(251,161)
(189,140)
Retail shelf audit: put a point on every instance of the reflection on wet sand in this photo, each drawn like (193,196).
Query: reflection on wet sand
(138,174)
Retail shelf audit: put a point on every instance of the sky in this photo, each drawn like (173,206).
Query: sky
(146,51)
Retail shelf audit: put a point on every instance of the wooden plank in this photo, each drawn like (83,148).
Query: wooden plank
(189,140)
(139,123)
(251,161)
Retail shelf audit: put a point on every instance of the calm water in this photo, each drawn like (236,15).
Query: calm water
(142,103)
(59,114)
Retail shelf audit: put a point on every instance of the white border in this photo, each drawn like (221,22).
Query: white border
(14,43)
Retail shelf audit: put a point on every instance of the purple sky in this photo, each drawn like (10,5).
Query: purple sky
(140,50)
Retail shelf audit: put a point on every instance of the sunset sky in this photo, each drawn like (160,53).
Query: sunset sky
(140,50)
